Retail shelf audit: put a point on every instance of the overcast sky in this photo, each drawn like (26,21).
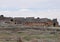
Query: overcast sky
(33,8)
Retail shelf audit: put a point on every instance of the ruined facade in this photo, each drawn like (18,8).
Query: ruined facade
(30,21)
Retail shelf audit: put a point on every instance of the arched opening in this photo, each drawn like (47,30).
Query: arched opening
(11,20)
(54,24)
(15,22)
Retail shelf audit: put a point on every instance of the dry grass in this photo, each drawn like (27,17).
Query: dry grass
(30,36)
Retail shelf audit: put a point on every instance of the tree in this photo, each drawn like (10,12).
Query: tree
(1,15)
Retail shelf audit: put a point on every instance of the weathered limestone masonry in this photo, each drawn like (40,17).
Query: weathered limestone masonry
(30,21)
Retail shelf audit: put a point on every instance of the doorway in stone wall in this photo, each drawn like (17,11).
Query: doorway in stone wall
(54,24)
